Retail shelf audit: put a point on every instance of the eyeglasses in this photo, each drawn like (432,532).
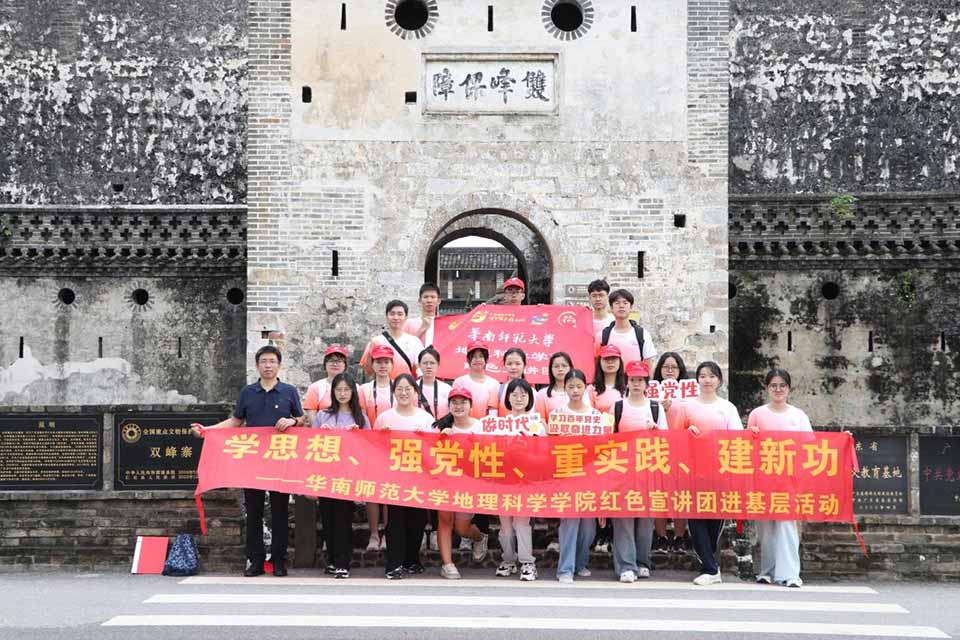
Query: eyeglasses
(778,387)
(670,367)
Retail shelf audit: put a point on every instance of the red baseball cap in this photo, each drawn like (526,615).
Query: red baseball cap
(514,282)
(335,349)
(473,345)
(460,392)
(610,351)
(638,369)
(381,351)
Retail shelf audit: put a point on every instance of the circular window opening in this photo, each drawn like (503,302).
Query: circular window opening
(411,14)
(567,16)
(140,297)
(830,290)
(732,293)
(235,296)
(66,296)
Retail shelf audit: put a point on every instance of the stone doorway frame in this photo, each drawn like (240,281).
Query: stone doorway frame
(515,233)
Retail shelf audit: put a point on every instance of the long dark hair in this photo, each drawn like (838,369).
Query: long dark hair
(512,386)
(658,370)
(523,358)
(600,379)
(447,421)
(355,411)
(553,381)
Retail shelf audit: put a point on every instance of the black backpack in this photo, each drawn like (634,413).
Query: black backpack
(618,413)
(637,329)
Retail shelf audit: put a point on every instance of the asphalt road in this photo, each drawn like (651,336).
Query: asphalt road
(309,605)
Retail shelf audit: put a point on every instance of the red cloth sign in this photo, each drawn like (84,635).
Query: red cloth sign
(737,475)
(539,330)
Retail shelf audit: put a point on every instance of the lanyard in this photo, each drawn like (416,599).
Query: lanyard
(376,407)
(436,395)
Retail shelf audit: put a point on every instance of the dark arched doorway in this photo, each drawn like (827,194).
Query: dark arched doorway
(533,262)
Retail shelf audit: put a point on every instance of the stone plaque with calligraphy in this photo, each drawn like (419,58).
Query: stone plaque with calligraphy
(940,476)
(42,451)
(490,83)
(157,450)
(881,484)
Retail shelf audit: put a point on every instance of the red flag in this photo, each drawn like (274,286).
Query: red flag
(540,330)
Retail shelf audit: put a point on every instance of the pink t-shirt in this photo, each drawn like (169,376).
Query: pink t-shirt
(502,405)
(419,421)
(318,396)
(413,328)
(626,341)
(410,345)
(719,415)
(793,419)
(549,404)
(436,395)
(485,394)
(636,418)
(375,403)
(604,401)
(675,414)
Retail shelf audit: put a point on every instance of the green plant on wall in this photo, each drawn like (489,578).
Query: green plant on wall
(842,206)
(907,288)
(5,230)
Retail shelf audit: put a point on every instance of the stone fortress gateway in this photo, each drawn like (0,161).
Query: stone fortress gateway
(186,180)
(383,130)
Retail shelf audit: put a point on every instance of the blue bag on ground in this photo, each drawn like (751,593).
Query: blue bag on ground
(183,559)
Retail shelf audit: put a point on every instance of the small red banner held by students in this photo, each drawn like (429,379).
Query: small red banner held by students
(736,475)
(540,330)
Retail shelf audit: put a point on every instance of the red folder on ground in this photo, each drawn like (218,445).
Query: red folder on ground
(150,554)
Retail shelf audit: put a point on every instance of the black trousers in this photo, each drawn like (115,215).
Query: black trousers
(337,519)
(482,520)
(253,502)
(405,527)
(705,535)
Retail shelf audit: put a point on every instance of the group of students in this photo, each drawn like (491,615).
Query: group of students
(404,394)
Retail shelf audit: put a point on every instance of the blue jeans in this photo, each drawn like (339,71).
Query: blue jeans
(779,549)
(631,544)
(576,536)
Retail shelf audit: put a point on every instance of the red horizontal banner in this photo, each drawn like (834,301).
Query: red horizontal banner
(767,476)
(540,330)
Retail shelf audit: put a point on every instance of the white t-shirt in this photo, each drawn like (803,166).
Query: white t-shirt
(600,325)
(476,427)
(413,328)
(626,341)
(410,346)
(393,420)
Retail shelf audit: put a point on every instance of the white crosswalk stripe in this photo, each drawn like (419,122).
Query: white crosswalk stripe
(429,603)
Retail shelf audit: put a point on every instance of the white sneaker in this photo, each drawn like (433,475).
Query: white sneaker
(434,546)
(466,544)
(506,569)
(528,572)
(565,579)
(643,572)
(450,572)
(584,573)
(628,576)
(374,544)
(383,543)
(707,578)
(602,547)
(795,583)
(762,579)
(554,546)
(480,548)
